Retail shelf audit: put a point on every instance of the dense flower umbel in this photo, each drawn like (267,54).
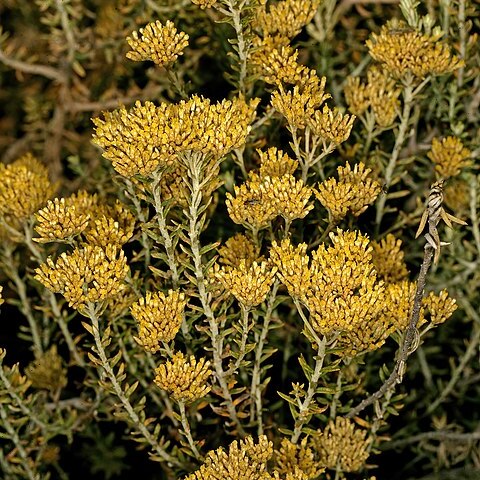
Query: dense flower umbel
(24,188)
(88,274)
(184,378)
(275,163)
(354,191)
(159,317)
(342,445)
(379,93)
(449,156)
(387,257)
(160,43)
(65,218)
(139,140)
(47,371)
(293,458)
(331,125)
(405,51)
(244,460)
(439,307)
(248,284)
(340,288)
(236,249)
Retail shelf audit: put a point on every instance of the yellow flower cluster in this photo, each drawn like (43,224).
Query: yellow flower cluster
(63,219)
(248,284)
(449,156)
(340,288)
(204,3)
(354,191)
(47,371)
(388,258)
(259,200)
(379,93)
(184,378)
(1,298)
(342,446)
(160,43)
(295,459)
(159,317)
(139,140)
(331,125)
(440,307)
(405,51)
(86,275)
(237,249)
(24,188)
(275,163)
(244,460)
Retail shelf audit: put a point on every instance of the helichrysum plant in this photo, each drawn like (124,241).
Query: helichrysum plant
(258,259)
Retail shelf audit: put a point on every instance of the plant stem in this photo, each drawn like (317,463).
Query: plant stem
(117,388)
(187,432)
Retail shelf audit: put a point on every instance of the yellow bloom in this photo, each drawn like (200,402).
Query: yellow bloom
(24,188)
(159,317)
(331,125)
(204,3)
(275,163)
(449,156)
(440,307)
(236,249)
(89,274)
(294,458)
(47,371)
(1,299)
(388,259)
(243,460)
(160,43)
(184,378)
(342,445)
(249,285)
(354,191)
(405,51)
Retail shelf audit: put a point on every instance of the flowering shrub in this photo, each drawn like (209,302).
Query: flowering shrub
(266,256)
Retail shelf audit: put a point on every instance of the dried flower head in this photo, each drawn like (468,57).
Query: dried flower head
(160,43)
(354,191)
(159,317)
(342,445)
(88,274)
(403,51)
(24,188)
(440,307)
(146,137)
(331,125)
(449,156)
(236,249)
(184,378)
(298,105)
(244,460)
(47,371)
(387,256)
(275,163)
(249,285)
(292,458)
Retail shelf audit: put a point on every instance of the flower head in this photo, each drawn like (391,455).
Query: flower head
(204,3)
(439,307)
(24,188)
(275,163)
(160,43)
(331,125)
(249,285)
(387,257)
(403,51)
(47,371)
(354,191)
(449,156)
(244,459)
(342,445)
(159,317)
(184,378)
(236,249)
(88,274)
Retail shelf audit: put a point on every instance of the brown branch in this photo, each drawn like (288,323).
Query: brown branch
(36,69)
(406,349)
